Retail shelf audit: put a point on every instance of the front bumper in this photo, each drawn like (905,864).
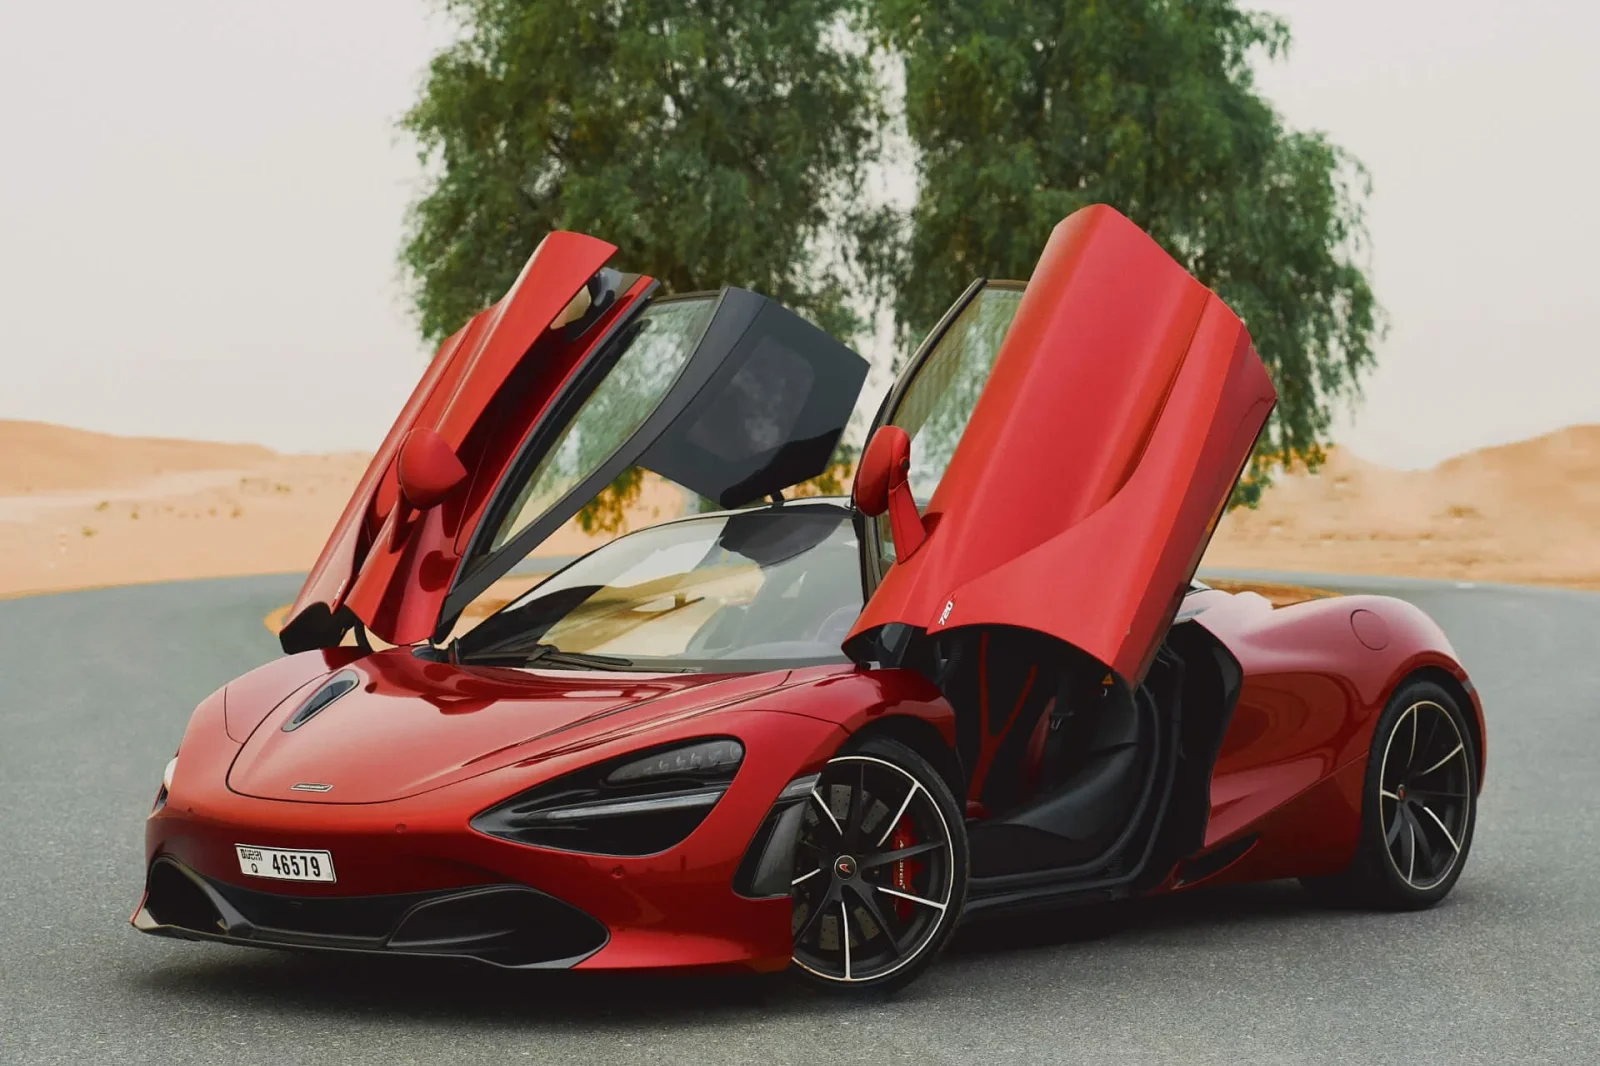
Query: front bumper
(414,878)
(512,926)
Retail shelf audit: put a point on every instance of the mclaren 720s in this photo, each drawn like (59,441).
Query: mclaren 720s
(809,732)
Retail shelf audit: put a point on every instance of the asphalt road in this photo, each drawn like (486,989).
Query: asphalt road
(97,686)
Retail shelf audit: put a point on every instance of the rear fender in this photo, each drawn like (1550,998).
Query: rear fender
(1317,676)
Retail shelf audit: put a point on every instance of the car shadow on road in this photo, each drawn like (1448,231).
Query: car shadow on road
(443,990)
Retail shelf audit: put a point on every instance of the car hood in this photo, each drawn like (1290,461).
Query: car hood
(407,725)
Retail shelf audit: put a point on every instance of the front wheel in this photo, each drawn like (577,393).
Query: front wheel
(1418,807)
(880,870)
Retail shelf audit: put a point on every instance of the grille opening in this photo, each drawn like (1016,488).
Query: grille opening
(173,899)
(509,926)
(370,917)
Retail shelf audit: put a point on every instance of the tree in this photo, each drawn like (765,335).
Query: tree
(1022,111)
(719,142)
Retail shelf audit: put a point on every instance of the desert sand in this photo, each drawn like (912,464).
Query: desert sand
(80,509)
(83,509)
(1522,513)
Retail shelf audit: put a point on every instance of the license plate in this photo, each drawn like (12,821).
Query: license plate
(285,865)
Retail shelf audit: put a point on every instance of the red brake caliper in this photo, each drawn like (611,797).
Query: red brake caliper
(904,869)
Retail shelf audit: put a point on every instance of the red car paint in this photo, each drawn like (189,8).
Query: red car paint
(1291,762)
(673,909)
(407,560)
(1145,461)
(1147,431)
(1294,757)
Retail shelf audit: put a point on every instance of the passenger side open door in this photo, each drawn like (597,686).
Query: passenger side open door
(1066,478)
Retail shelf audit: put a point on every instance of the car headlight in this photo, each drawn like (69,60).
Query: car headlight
(707,759)
(638,804)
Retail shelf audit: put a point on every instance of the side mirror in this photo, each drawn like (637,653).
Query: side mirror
(428,470)
(881,485)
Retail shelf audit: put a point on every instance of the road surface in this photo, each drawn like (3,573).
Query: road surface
(98,685)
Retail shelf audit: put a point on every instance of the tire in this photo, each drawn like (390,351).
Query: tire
(881,856)
(1418,806)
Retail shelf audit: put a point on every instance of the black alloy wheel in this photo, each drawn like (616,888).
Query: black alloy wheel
(1425,795)
(1418,808)
(880,869)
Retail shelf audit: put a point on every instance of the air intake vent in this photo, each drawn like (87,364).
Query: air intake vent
(332,689)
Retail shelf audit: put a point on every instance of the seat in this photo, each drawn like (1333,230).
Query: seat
(1088,794)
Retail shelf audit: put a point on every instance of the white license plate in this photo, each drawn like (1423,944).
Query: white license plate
(285,865)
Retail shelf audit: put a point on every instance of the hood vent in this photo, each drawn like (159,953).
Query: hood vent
(330,690)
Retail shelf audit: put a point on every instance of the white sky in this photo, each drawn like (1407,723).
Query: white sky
(200,206)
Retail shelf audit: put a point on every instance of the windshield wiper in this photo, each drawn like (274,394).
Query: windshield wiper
(549,655)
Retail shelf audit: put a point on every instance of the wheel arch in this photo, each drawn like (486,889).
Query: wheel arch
(922,737)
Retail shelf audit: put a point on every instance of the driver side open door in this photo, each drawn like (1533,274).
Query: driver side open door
(537,404)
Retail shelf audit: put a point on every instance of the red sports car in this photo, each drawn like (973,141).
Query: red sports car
(809,732)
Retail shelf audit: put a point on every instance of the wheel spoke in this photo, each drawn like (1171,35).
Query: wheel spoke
(1386,794)
(1422,845)
(837,829)
(815,918)
(844,934)
(1433,730)
(879,918)
(889,828)
(1453,752)
(1394,827)
(1453,845)
(1408,850)
(857,811)
(906,895)
(804,877)
(1412,711)
(872,862)
(1429,795)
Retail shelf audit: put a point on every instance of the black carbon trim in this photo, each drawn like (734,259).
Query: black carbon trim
(510,926)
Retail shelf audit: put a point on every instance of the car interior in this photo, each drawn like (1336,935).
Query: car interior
(1072,775)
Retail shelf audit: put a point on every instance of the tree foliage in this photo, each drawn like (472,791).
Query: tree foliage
(717,141)
(714,140)
(1022,111)
(727,141)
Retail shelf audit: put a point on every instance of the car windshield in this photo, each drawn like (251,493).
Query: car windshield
(755,590)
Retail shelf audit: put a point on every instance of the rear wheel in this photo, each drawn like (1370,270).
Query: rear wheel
(1417,811)
(880,870)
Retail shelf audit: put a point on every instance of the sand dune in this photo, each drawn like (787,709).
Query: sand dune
(80,508)
(1527,512)
(45,458)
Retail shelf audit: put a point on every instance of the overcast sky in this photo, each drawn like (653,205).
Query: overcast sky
(200,205)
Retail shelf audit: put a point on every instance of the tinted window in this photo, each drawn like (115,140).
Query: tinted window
(771,414)
(935,408)
(614,411)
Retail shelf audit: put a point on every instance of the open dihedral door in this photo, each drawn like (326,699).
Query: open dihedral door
(1118,412)
(358,575)
(1070,447)
(577,375)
